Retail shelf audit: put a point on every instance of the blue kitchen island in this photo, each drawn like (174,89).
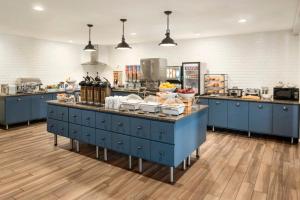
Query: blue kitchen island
(168,140)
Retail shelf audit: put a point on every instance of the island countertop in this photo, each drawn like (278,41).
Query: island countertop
(169,118)
(250,100)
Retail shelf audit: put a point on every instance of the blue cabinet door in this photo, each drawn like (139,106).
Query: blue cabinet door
(88,135)
(74,131)
(62,128)
(162,132)
(61,113)
(75,116)
(103,138)
(285,120)
(103,121)
(218,111)
(140,128)
(17,109)
(39,106)
(52,126)
(140,148)
(88,118)
(120,143)
(260,117)
(202,101)
(120,124)
(238,115)
(51,111)
(162,153)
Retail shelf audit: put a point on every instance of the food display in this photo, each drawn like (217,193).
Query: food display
(215,84)
(61,97)
(186,93)
(132,102)
(173,106)
(167,87)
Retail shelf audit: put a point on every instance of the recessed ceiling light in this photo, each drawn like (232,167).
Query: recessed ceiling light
(38,8)
(133,34)
(70,41)
(197,34)
(241,21)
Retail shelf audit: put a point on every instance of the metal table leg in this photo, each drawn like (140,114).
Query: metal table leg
(140,165)
(184,164)
(6,126)
(171,174)
(292,140)
(77,146)
(213,128)
(28,123)
(129,162)
(197,153)
(97,152)
(72,143)
(105,154)
(249,134)
(189,160)
(55,140)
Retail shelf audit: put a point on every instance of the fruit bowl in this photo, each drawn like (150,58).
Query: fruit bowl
(186,96)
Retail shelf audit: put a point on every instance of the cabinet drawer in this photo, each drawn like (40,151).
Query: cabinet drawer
(260,117)
(103,121)
(120,124)
(51,111)
(140,148)
(88,135)
(74,116)
(52,126)
(103,138)
(285,120)
(74,131)
(238,112)
(140,128)
(218,113)
(61,113)
(162,132)
(162,153)
(88,118)
(120,143)
(62,128)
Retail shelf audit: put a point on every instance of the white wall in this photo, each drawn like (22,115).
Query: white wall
(50,61)
(251,60)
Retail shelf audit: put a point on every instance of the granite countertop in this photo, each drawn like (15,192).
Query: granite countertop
(195,109)
(30,94)
(125,90)
(252,100)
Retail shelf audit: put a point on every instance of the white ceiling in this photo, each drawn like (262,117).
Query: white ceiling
(65,20)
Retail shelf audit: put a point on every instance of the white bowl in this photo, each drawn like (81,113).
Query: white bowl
(167,89)
(186,96)
(168,95)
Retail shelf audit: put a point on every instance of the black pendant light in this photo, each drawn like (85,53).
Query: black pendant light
(168,41)
(123,44)
(89,47)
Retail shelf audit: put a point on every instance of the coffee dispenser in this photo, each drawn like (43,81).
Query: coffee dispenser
(97,90)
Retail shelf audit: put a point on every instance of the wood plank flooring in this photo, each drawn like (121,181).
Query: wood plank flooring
(230,167)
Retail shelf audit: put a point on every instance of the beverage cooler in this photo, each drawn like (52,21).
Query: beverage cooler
(191,76)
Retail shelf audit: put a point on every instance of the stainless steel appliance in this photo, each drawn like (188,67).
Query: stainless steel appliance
(28,85)
(291,94)
(235,92)
(4,89)
(252,92)
(153,72)
(191,76)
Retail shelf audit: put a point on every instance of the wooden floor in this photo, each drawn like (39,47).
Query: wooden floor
(231,167)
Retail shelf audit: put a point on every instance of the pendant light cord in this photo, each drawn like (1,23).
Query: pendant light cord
(168,28)
(123,37)
(89,34)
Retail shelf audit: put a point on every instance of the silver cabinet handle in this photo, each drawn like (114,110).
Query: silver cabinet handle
(42,97)
(19,99)
(120,143)
(237,104)
(285,108)
(103,139)
(120,124)
(139,147)
(103,121)
(217,103)
(139,127)
(260,106)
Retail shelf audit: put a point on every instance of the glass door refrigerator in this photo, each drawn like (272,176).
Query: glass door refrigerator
(191,76)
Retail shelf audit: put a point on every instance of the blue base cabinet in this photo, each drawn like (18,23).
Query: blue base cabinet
(285,120)
(18,109)
(39,106)
(163,142)
(218,110)
(268,118)
(238,115)
(260,117)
